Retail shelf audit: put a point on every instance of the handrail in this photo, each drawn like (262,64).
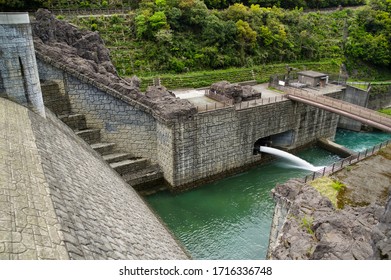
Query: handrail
(337,166)
(241,105)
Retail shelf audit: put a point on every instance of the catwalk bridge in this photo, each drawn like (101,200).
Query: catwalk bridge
(358,113)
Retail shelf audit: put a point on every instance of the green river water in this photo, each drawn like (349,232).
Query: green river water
(231,218)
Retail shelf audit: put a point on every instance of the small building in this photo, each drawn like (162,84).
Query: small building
(313,78)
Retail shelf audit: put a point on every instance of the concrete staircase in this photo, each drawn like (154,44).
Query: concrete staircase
(137,172)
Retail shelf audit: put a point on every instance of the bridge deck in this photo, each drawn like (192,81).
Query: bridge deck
(361,114)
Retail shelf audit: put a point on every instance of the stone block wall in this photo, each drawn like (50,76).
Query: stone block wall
(132,129)
(19,79)
(55,97)
(217,142)
(201,148)
(165,150)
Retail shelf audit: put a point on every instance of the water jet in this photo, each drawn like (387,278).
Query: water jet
(296,161)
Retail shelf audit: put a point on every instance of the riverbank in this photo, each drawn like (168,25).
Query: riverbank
(306,224)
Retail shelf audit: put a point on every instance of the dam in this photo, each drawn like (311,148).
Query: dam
(146,137)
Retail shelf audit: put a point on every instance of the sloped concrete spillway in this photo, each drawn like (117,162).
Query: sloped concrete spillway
(296,161)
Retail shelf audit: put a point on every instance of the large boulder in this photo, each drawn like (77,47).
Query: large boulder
(165,103)
(235,92)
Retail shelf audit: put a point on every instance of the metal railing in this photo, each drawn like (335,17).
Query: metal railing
(242,105)
(90,11)
(337,166)
(259,102)
(213,106)
(218,97)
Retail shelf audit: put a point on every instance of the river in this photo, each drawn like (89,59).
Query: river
(231,218)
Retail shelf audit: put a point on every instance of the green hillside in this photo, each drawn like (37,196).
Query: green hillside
(234,41)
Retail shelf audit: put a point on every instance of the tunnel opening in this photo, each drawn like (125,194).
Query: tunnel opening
(280,140)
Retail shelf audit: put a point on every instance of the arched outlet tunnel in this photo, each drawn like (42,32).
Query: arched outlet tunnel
(279,140)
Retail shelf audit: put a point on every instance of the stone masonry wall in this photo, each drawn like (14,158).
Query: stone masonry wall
(18,68)
(218,141)
(133,130)
(165,150)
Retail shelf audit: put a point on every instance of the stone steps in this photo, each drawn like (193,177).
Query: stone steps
(90,135)
(137,172)
(103,148)
(129,165)
(116,157)
(141,178)
(75,121)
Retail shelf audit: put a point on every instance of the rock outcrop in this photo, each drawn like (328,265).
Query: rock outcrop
(234,91)
(161,100)
(311,228)
(84,51)
(306,225)
(381,235)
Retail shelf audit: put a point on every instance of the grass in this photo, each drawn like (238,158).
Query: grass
(329,188)
(260,73)
(386,111)
(306,223)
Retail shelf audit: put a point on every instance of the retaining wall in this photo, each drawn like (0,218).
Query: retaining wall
(354,96)
(132,129)
(379,97)
(217,142)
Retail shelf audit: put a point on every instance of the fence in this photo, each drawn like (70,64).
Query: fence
(218,97)
(242,105)
(328,170)
(89,11)
(213,106)
(259,102)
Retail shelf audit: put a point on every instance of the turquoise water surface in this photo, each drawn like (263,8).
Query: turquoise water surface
(231,218)
(359,141)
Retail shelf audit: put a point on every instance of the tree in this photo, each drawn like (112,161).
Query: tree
(9,5)
(158,20)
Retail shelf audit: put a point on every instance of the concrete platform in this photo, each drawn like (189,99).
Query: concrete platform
(198,98)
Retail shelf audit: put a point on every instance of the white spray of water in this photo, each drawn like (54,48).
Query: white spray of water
(297,162)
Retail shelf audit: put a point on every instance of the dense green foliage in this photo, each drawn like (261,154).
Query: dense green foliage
(370,34)
(178,36)
(288,4)
(7,5)
(184,35)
